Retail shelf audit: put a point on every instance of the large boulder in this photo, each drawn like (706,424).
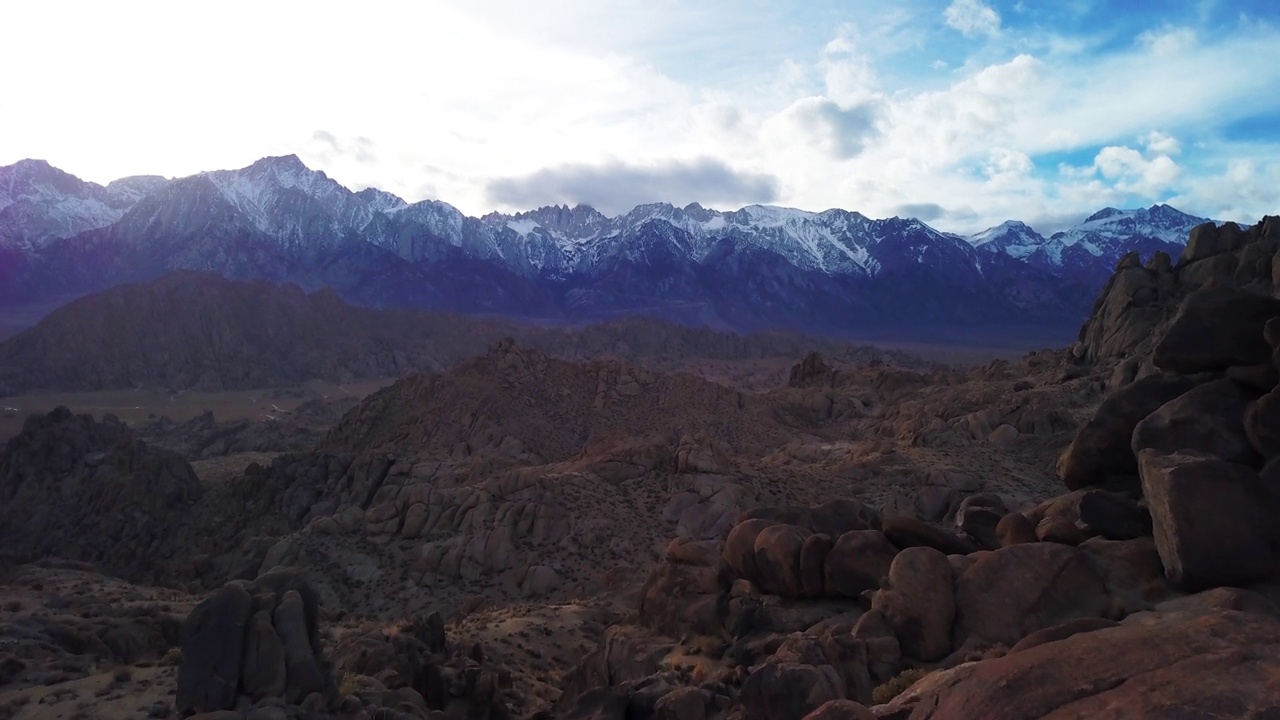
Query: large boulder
(857,563)
(1217,326)
(1009,593)
(1208,419)
(1213,521)
(740,547)
(1101,450)
(919,602)
(1222,665)
(777,559)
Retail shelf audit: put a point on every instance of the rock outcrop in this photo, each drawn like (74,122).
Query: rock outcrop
(86,490)
(251,641)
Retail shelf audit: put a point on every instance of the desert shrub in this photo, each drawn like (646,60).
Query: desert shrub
(894,687)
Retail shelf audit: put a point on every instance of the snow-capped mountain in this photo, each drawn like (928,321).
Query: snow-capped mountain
(40,203)
(760,265)
(1092,247)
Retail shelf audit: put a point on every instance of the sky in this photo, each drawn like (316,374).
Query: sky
(963,113)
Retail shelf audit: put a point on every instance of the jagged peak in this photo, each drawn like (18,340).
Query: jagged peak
(1104,213)
(289,162)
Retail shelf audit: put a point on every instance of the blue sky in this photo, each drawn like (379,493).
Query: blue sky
(965,112)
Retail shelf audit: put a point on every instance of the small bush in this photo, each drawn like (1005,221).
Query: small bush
(893,688)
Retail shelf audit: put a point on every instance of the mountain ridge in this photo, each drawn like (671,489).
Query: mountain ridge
(832,271)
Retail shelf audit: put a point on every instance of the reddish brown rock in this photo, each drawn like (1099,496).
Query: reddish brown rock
(1009,593)
(778,559)
(919,602)
(857,563)
(1216,327)
(1262,425)
(1060,530)
(841,710)
(1208,419)
(1213,522)
(740,547)
(907,532)
(1014,529)
(1225,665)
(1062,632)
(813,563)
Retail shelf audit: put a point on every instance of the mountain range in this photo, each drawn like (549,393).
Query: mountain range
(834,272)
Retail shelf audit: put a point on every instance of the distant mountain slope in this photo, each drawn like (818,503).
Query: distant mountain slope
(193,330)
(835,271)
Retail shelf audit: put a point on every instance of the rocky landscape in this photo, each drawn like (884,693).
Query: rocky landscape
(593,528)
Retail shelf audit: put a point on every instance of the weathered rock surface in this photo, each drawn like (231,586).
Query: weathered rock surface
(1214,522)
(919,602)
(1102,449)
(1208,419)
(1223,665)
(1217,327)
(1009,593)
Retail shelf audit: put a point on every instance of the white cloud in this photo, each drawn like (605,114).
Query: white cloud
(1161,143)
(454,95)
(1168,40)
(972,18)
(1129,171)
(1007,167)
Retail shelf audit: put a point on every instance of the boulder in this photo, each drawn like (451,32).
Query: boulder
(1101,450)
(213,639)
(1060,530)
(1262,425)
(1009,593)
(981,524)
(1015,528)
(837,517)
(777,559)
(1223,665)
(740,547)
(907,532)
(1208,419)
(813,563)
(919,602)
(1212,520)
(1206,241)
(1113,516)
(304,672)
(264,665)
(788,691)
(857,562)
(1216,327)
(884,652)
